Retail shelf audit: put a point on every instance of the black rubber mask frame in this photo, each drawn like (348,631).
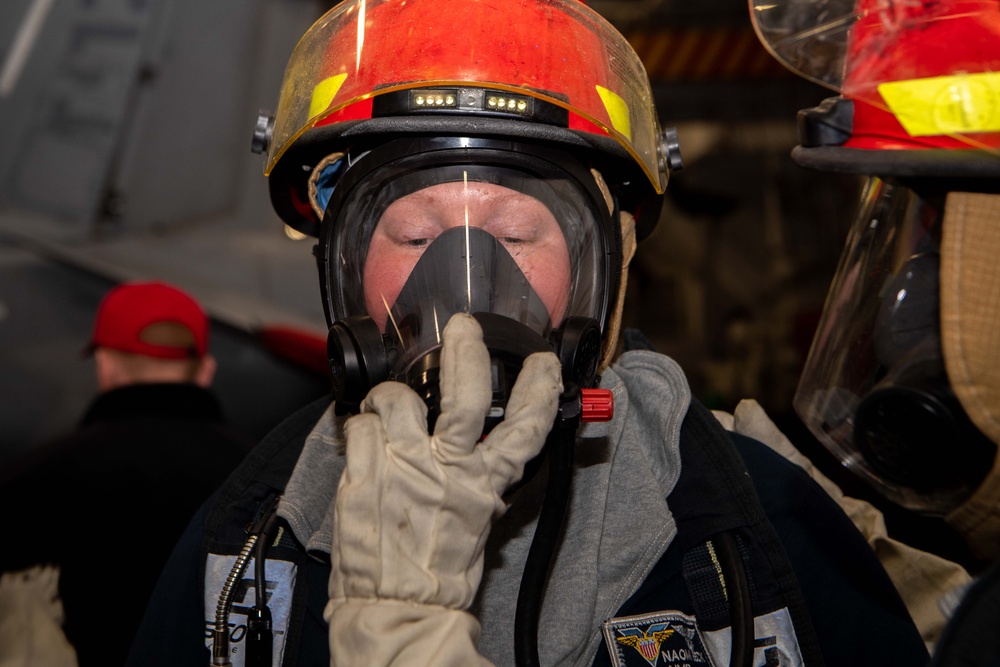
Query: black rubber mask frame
(374,179)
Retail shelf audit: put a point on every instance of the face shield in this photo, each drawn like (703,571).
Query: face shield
(417,230)
(876,388)
(550,71)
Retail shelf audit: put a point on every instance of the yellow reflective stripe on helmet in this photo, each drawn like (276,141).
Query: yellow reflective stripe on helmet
(939,105)
(618,111)
(323,94)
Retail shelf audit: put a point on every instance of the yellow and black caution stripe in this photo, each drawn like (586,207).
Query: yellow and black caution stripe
(693,54)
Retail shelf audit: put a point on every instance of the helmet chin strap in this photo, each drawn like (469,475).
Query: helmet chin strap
(615,322)
(628,251)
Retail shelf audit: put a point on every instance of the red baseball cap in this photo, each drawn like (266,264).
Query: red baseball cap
(129,309)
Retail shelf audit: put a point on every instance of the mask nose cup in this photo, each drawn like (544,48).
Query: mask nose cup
(509,344)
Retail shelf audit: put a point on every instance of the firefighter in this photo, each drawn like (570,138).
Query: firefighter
(902,383)
(477,175)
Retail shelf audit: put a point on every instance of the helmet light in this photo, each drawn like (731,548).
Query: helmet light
(468,100)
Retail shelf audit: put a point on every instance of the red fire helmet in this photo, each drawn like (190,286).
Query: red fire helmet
(550,71)
(925,74)
(915,76)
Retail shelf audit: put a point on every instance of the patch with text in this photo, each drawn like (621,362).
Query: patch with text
(660,639)
(279,587)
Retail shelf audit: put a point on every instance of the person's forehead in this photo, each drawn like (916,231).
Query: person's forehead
(470,190)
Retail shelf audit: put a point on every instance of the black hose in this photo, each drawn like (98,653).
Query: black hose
(260,557)
(738,595)
(220,634)
(260,638)
(559,448)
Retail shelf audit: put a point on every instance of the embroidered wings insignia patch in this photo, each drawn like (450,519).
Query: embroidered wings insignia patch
(645,642)
(661,639)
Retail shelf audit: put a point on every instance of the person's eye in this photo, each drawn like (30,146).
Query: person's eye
(516,235)
(417,243)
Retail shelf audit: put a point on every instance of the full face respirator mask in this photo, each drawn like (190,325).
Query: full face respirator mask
(417,230)
(876,388)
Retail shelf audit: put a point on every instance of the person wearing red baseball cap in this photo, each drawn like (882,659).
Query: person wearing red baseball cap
(150,332)
(99,509)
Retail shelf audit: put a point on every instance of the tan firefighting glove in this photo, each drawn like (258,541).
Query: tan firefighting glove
(31,618)
(413,510)
(923,579)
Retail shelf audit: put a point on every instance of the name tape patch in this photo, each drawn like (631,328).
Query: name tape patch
(279,586)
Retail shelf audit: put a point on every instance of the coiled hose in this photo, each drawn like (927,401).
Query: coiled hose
(220,635)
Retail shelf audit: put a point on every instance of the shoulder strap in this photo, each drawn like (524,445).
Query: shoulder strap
(717,509)
(263,472)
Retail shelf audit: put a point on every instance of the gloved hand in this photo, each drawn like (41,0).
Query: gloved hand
(31,619)
(413,510)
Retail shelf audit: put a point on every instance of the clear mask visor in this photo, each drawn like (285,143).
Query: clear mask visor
(413,245)
(874,389)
